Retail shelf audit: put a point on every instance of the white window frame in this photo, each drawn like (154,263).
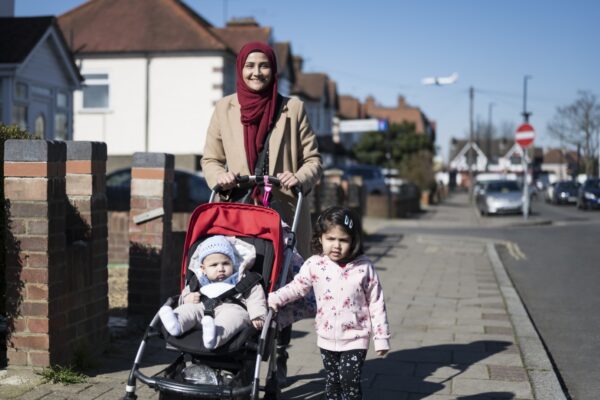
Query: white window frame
(96,80)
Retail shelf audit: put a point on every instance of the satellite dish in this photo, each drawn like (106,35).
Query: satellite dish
(440,80)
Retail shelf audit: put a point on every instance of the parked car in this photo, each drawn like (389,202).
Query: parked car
(565,192)
(589,194)
(500,197)
(189,190)
(372,177)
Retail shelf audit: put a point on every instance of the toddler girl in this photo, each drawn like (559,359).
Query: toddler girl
(350,305)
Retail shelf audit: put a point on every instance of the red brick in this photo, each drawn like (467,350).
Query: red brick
(34,243)
(26,169)
(26,189)
(148,173)
(34,275)
(19,324)
(27,210)
(39,359)
(37,227)
(17,357)
(36,291)
(37,260)
(37,325)
(79,167)
(18,226)
(31,309)
(30,341)
(79,185)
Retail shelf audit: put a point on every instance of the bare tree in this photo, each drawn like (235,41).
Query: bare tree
(507,130)
(579,124)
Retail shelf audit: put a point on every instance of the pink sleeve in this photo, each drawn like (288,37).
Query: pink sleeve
(379,322)
(294,290)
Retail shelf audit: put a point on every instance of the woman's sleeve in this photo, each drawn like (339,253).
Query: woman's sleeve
(309,158)
(297,288)
(213,160)
(377,311)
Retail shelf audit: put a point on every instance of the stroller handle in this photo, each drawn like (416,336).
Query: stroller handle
(247,181)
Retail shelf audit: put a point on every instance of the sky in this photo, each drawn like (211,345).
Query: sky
(383,48)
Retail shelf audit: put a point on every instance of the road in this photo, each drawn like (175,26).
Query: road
(555,267)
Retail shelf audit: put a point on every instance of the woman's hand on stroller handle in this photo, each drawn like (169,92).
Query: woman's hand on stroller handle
(229,180)
(258,323)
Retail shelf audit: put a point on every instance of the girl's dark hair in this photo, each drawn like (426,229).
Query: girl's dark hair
(345,219)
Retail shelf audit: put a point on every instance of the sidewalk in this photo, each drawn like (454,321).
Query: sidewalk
(459,328)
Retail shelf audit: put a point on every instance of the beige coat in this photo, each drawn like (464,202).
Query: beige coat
(292,147)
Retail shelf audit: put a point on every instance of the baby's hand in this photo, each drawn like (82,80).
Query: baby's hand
(258,323)
(381,353)
(193,297)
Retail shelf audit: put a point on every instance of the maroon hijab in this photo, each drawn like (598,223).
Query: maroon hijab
(257,108)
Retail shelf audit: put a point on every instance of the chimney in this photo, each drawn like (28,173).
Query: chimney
(243,21)
(7,8)
(401,102)
(298,61)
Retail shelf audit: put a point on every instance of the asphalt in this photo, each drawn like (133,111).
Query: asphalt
(459,328)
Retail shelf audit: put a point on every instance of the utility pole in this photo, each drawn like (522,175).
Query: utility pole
(488,146)
(525,113)
(524,161)
(470,151)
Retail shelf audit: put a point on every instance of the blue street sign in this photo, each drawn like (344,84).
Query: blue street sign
(382,125)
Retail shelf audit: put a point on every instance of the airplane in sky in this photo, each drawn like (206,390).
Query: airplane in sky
(440,80)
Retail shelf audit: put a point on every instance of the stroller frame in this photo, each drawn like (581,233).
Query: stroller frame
(266,341)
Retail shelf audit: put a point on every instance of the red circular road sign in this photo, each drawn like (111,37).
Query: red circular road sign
(525,135)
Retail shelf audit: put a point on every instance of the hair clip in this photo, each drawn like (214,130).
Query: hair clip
(348,221)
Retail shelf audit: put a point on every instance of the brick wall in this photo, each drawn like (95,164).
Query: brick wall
(56,288)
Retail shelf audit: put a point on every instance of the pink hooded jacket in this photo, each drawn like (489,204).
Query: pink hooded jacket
(350,305)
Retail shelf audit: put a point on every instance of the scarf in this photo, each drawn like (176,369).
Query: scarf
(257,108)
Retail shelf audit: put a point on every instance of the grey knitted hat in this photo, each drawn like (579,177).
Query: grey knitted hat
(217,244)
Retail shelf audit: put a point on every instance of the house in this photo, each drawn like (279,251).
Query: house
(403,112)
(560,162)
(319,94)
(153,71)
(37,77)
(286,78)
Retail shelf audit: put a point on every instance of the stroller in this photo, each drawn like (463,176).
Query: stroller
(231,371)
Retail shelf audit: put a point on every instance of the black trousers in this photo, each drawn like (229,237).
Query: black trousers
(343,374)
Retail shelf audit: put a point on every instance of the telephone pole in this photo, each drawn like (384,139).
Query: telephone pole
(470,151)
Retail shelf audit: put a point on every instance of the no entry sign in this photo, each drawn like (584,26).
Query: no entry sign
(525,135)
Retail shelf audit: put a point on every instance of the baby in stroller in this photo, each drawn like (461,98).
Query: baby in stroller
(211,298)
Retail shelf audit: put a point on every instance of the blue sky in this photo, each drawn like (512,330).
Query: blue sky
(384,48)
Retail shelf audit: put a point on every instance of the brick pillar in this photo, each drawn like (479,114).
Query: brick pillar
(152,277)
(34,187)
(87,247)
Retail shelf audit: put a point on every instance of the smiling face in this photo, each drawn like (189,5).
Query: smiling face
(217,267)
(257,72)
(336,243)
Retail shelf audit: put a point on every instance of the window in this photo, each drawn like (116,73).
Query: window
(41,91)
(19,116)
(60,126)
(95,91)
(21,91)
(40,127)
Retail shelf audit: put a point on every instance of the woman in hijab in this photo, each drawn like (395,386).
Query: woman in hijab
(242,125)
(257,116)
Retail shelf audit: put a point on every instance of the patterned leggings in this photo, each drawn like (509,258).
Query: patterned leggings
(343,374)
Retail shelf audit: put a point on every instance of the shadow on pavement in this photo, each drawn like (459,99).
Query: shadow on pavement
(406,371)
(377,246)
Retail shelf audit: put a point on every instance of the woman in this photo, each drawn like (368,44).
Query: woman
(241,125)
(244,122)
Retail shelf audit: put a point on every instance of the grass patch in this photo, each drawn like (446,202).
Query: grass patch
(64,375)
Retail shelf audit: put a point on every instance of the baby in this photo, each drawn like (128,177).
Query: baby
(218,267)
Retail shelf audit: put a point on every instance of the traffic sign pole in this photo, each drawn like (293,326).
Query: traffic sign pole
(524,136)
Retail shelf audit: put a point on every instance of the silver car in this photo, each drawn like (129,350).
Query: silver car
(499,197)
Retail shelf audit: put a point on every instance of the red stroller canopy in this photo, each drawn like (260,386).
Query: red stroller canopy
(236,219)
